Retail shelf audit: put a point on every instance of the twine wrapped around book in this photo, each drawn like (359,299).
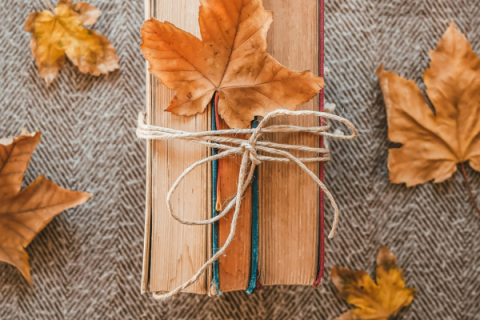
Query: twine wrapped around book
(250,159)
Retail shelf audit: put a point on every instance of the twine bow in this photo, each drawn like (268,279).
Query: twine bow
(250,159)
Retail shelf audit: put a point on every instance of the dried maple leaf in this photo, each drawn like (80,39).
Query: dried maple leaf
(24,213)
(374,301)
(231,58)
(59,33)
(434,143)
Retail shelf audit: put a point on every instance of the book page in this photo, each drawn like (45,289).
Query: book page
(289,199)
(177,251)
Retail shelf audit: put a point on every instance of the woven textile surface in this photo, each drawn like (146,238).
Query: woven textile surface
(86,264)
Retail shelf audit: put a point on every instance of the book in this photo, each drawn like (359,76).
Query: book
(234,265)
(289,221)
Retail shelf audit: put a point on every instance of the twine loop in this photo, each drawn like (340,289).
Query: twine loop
(248,149)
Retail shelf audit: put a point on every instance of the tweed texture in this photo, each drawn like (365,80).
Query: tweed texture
(86,264)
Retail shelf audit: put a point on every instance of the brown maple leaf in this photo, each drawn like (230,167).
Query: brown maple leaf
(373,300)
(24,213)
(433,143)
(231,58)
(61,32)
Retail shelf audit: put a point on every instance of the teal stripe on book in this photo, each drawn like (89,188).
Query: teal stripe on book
(252,284)
(214,202)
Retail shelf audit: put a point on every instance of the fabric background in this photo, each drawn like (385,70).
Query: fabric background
(86,264)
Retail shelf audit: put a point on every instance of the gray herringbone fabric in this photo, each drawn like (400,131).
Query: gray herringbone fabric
(86,264)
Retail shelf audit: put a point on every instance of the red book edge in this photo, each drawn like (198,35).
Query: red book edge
(321,73)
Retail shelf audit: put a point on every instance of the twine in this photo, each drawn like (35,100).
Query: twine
(250,159)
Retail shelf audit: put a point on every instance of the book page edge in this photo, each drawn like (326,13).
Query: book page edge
(148,180)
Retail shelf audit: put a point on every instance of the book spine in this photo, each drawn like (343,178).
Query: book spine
(234,265)
(148,171)
(215,273)
(321,73)
(252,284)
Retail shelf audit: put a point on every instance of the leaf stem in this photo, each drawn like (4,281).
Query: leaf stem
(469,188)
(49,6)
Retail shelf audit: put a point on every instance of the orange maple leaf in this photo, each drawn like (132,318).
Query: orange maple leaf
(24,213)
(433,143)
(231,58)
(374,300)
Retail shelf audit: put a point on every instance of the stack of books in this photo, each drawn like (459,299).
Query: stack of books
(279,237)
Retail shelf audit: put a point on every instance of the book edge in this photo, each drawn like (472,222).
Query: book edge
(148,180)
(321,103)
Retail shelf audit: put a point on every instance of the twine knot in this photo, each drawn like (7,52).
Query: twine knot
(252,153)
(248,149)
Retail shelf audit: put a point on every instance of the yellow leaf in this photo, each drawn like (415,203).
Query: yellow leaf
(433,143)
(231,58)
(60,33)
(374,301)
(24,213)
